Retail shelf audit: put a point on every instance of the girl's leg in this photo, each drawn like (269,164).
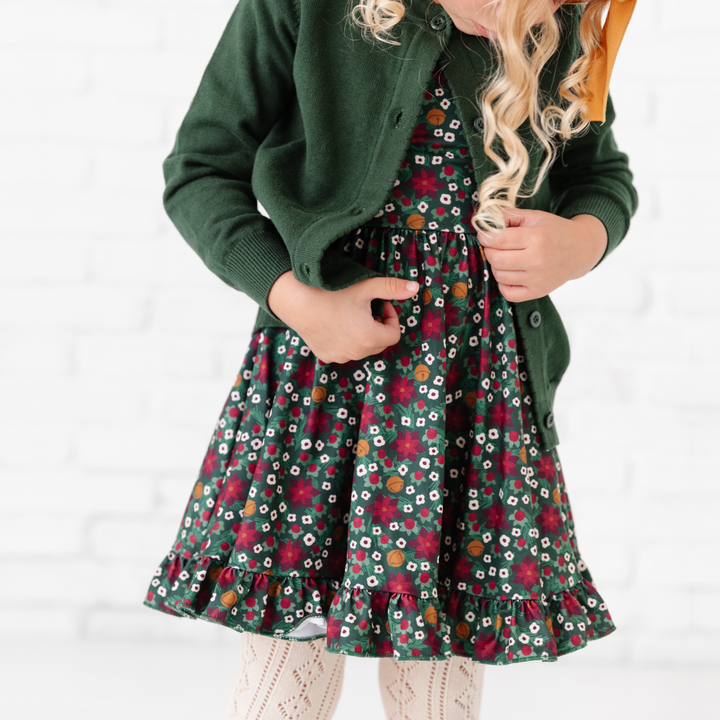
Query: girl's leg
(431,690)
(285,680)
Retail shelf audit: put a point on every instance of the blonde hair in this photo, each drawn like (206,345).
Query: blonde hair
(511,95)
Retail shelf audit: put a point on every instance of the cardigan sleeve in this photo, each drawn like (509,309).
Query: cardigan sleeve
(208,191)
(590,175)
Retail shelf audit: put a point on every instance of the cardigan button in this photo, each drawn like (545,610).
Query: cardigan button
(437,23)
(535,319)
(479,125)
(549,420)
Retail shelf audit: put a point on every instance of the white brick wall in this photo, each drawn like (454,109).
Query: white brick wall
(115,359)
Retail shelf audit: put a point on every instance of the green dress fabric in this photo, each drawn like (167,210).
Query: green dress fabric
(399,505)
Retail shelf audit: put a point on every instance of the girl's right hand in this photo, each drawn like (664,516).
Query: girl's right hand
(337,325)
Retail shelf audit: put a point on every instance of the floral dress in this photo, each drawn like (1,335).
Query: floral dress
(399,505)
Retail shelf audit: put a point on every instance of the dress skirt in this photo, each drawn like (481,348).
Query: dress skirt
(399,505)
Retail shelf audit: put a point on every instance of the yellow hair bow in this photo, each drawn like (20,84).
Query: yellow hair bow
(616,23)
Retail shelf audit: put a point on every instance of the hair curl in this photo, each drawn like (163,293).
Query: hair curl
(512,94)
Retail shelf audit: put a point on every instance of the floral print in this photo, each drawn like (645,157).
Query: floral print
(403,498)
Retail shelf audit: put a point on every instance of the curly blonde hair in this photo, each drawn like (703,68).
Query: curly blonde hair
(511,95)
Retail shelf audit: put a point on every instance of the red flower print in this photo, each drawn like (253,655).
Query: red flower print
(174,569)
(263,372)
(235,489)
(420,134)
(384,509)
(452,315)
(462,568)
(318,421)
(495,516)
(488,646)
(367,417)
(506,463)
(424,183)
(550,519)
(545,467)
(291,554)
(501,415)
(305,373)
(302,493)
(456,415)
(402,390)
(407,445)
(569,602)
(211,462)
(432,325)
(453,377)
(333,627)
(228,576)
(426,545)
(484,361)
(399,583)
(526,573)
(247,536)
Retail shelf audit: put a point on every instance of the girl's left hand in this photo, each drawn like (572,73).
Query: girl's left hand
(539,251)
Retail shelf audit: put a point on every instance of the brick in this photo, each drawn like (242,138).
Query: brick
(77,493)
(41,622)
(23,259)
(27,533)
(674,648)
(19,443)
(144,357)
(65,165)
(196,32)
(665,563)
(151,74)
(126,538)
(23,354)
(210,311)
(74,307)
(70,399)
(143,446)
(131,168)
(83,582)
(79,23)
(196,402)
(608,474)
(56,75)
(612,287)
(173,492)
(150,264)
(145,624)
(92,117)
(673,474)
(92,213)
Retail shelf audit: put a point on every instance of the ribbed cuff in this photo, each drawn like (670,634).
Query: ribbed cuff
(611,213)
(255,263)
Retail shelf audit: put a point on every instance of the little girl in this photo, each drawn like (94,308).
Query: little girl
(383,480)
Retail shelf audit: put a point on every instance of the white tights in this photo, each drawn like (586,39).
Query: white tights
(299,680)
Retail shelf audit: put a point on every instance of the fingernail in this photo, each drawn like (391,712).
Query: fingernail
(411,285)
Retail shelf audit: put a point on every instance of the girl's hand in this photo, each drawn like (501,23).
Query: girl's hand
(539,252)
(338,325)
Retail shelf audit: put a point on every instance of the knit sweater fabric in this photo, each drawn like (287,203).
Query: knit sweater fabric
(298,111)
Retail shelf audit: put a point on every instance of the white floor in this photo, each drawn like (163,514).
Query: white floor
(113,680)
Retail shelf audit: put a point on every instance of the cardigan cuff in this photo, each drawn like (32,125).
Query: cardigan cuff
(612,214)
(255,263)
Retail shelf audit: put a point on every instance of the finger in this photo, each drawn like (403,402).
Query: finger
(510,239)
(388,287)
(509,277)
(506,259)
(514,293)
(518,217)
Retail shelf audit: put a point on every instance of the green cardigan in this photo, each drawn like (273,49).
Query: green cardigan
(296,110)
